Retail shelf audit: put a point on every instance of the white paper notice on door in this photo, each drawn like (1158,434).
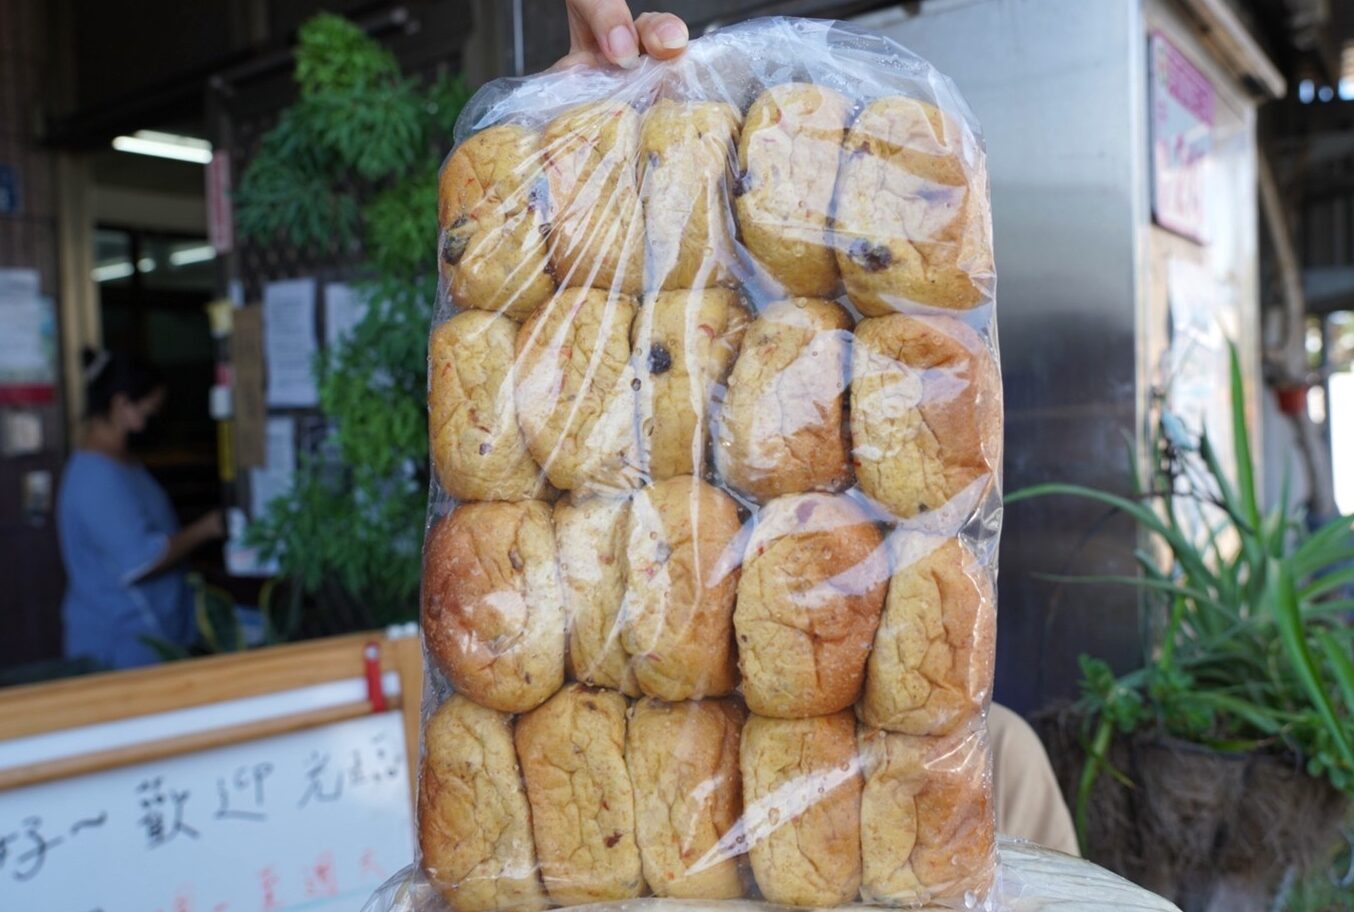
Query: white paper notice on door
(289,343)
(275,478)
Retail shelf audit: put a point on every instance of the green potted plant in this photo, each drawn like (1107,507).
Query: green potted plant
(1224,763)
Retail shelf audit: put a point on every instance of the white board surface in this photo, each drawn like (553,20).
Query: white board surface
(313,820)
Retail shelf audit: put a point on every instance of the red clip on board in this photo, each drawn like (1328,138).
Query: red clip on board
(371,660)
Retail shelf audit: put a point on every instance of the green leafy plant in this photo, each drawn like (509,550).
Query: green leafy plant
(350,172)
(1247,648)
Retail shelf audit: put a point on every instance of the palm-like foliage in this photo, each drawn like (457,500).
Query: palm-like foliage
(1249,645)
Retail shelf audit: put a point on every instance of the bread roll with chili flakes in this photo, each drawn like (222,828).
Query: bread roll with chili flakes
(926,419)
(932,663)
(686,153)
(801,797)
(474,825)
(572,751)
(685,343)
(927,826)
(596,228)
(590,535)
(491,205)
(476,445)
(682,556)
(788,156)
(782,428)
(912,226)
(809,601)
(493,615)
(683,763)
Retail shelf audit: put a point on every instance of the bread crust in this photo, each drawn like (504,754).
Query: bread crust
(782,428)
(911,221)
(474,826)
(788,156)
(686,154)
(809,601)
(572,750)
(801,793)
(590,536)
(575,391)
(926,414)
(493,615)
(685,343)
(681,579)
(477,448)
(683,763)
(926,818)
(492,196)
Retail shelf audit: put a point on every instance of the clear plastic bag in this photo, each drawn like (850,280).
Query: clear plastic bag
(715,417)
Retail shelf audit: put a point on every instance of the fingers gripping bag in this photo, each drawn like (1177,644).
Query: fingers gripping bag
(708,600)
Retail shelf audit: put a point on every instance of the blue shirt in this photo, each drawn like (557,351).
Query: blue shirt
(114,522)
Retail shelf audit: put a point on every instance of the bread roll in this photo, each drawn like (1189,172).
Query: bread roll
(801,795)
(809,601)
(912,222)
(683,762)
(788,155)
(681,578)
(782,428)
(477,448)
(582,807)
(596,228)
(931,666)
(686,152)
(575,391)
(926,819)
(685,343)
(474,826)
(493,616)
(590,535)
(925,411)
(491,198)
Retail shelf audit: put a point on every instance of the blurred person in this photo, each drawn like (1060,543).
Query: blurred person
(120,541)
(1029,803)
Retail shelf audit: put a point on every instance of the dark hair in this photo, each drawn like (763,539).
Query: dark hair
(109,373)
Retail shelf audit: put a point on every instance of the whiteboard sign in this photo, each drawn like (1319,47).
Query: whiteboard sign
(313,820)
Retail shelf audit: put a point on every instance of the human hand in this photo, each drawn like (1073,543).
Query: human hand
(210,525)
(603,32)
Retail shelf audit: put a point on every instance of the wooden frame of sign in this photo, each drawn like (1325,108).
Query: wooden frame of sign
(103,698)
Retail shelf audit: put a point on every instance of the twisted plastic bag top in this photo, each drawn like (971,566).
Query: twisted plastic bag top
(715,420)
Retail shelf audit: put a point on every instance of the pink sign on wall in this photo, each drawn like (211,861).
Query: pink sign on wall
(1183,102)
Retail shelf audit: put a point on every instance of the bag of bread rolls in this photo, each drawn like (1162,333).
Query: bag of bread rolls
(715,424)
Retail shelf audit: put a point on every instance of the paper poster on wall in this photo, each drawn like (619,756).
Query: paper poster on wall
(312,820)
(1183,102)
(275,478)
(289,343)
(344,308)
(28,361)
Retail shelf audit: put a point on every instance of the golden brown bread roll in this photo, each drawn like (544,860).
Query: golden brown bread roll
(572,750)
(809,600)
(491,199)
(685,343)
(590,536)
(493,617)
(801,808)
(782,428)
(596,223)
(474,826)
(911,220)
(926,819)
(681,577)
(575,390)
(932,662)
(925,411)
(683,763)
(476,445)
(788,155)
(686,150)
